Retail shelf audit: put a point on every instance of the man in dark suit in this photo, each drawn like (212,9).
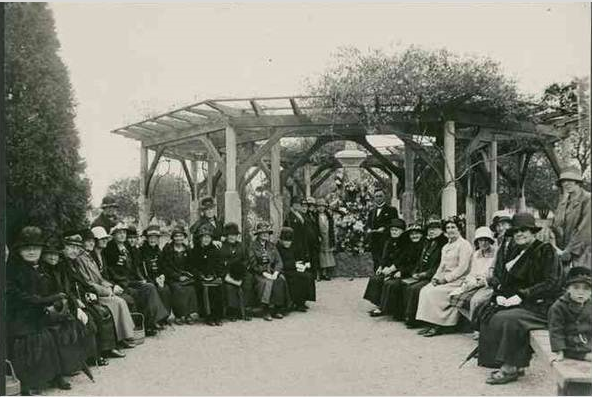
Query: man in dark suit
(208,217)
(377,225)
(296,220)
(108,217)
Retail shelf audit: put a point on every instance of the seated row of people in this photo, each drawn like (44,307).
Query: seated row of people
(504,285)
(71,300)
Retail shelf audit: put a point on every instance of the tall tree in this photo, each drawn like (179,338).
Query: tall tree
(45,183)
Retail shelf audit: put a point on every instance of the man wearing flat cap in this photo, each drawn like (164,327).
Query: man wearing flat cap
(207,207)
(571,223)
(108,217)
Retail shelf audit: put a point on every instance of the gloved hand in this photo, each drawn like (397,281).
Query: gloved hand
(81,316)
(514,300)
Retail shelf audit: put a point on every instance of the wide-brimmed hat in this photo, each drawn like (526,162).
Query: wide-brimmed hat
(87,234)
(152,230)
(109,201)
(53,245)
(99,232)
(501,216)
(230,229)
(263,227)
(483,232)
(579,274)
(178,230)
(132,231)
(434,222)
(414,227)
(29,236)
(296,200)
(524,220)
(570,173)
(398,223)
(321,202)
(73,238)
(119,226)
(207,203)
(287,234)
(204,230)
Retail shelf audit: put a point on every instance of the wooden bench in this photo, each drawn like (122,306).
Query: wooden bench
(574,377)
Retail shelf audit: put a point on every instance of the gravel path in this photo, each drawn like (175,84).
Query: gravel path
(334,349)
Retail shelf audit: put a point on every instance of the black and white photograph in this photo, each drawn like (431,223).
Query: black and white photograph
(267,198)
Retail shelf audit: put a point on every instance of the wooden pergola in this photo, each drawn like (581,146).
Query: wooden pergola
(240,137)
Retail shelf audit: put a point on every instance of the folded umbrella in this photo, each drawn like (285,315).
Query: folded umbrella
(471,355)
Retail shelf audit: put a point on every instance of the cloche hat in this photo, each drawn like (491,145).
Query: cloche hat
(29,236)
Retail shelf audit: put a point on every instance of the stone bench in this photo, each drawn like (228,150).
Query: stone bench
(574,377)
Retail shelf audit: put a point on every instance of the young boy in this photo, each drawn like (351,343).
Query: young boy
(570,321)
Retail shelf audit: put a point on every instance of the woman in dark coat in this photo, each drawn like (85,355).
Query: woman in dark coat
(390,251)
(60,280)
(238,282)
(301,283)
(266,266)
(405,259)
(174,265)
(529,284)
(429,260)
(149,265)
(124,267)
(32,308)
(209,270)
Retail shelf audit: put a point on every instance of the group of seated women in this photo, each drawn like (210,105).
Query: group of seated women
(502,283)
(78,300)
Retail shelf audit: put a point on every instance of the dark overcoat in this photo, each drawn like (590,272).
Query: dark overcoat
(300,239)
(376,240)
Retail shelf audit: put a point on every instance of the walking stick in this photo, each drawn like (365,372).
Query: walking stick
(88,372)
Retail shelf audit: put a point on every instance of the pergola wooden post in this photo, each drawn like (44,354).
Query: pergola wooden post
(144,203)
(492,199)
(470,210)
(194,204)
(232,203)
(307,185)
(276,200)
(394,197)
(449,192)
(408,198)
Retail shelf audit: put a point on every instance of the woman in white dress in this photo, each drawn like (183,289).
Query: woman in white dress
(434,303)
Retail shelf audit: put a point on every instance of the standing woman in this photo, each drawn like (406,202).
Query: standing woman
(390,251)
(327,240)
(175,267)
(149,265)
(32,347)
(530,282)
(572,220)
(266,265)
(434,305)
(405,260)
(311,229)
(238,282)
(209,269)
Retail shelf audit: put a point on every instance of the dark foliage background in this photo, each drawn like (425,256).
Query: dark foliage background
(45,185)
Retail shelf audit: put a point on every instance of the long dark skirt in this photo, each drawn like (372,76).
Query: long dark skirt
(166,297)
(301,285)
(71,340)
(148,302)
(411,297)
(106,337)
(35,358)
(183,299)
(272,292)
(392,300)
(504,339)
(211,300)
(373,291)
(239,298)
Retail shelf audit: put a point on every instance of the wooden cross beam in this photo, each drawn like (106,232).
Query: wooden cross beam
(549,151)
(190,180)
(380,179)
(321,179)
(380,157)
(152,168)
(263,150)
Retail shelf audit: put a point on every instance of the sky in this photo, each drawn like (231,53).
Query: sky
(130,60)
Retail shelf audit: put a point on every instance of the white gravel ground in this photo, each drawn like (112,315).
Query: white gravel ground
(334,349)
